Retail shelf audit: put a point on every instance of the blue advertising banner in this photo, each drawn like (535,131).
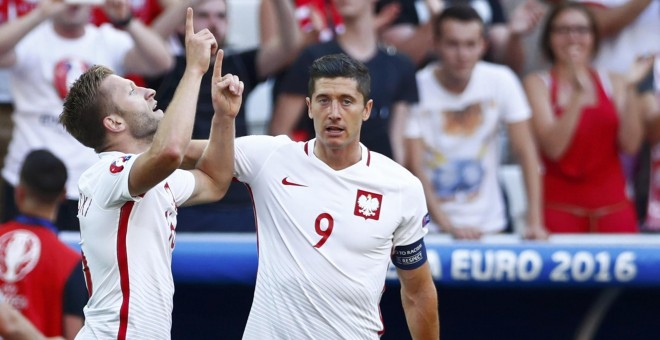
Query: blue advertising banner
(500,261)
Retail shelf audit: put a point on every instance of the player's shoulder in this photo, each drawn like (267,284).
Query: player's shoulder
(109,163)
(264,141)
(261,146)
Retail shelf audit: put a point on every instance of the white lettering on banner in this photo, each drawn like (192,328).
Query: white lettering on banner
(507,265)
(583,266)
(495,265)
(530,264)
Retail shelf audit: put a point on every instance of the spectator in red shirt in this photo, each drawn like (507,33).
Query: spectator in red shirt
(41,276)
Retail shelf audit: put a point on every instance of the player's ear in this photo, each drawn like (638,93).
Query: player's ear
(114,123)
(309,107)
(366,112)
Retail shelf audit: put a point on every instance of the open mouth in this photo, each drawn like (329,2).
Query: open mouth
(334,130)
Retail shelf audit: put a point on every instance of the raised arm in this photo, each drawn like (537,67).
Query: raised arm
(506,40)
(611,20)
(410,39)
(552,134)
(215,168)
(150,55)
(171,141)
(630,105)
(171,18)
(420,302)
(13,31)
(281,49)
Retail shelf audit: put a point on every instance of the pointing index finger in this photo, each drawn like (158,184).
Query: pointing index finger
(189,22)
(217,68)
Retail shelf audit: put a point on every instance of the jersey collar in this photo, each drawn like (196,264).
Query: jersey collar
(365,159)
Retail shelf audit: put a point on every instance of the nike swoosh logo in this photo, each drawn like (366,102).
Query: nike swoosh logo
(285,181)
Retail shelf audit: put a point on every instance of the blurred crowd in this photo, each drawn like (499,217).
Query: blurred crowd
(571,88)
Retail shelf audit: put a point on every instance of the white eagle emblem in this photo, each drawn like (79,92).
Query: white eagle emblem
(368,205)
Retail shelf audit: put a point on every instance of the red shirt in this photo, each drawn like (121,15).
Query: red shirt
(34,268)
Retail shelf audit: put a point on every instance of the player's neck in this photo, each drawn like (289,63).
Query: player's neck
(69,31)
(34,209)
(132,146)
(338,158)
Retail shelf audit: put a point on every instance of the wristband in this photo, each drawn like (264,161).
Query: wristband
(123,23)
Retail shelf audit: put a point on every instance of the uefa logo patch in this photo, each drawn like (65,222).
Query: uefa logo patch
(19,254)
(367,204)
(118,165)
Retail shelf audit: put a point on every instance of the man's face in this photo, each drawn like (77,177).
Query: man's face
(338,110)
(353,8)
(135,104)
(212,14)
(460,46)
(73,16)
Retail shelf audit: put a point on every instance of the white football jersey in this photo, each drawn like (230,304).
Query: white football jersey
(325,237)
(127,245)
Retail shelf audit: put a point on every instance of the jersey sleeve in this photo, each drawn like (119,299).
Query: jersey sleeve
(182,185)
(512,96)
(111,182)
(415,215)
(252,152)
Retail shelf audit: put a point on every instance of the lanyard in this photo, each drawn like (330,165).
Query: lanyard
(31,220)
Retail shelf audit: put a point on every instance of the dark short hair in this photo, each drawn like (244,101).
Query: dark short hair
(85,106)
(460,12)
(340,66)
(560,8)
(43,175)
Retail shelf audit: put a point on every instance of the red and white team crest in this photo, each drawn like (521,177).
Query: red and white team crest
(367,204)
(19,254)
(118,165)
(67,71)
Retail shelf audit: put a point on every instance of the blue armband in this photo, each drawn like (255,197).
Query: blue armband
(411,256)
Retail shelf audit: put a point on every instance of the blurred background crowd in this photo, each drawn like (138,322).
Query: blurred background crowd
(519,116)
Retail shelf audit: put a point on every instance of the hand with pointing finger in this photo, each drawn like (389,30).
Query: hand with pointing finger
(226,91)
(200,46)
